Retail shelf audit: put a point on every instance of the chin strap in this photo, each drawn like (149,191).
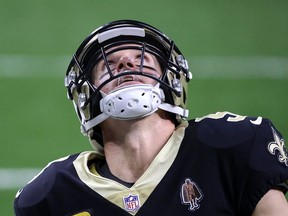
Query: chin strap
(174,109)
(131,102)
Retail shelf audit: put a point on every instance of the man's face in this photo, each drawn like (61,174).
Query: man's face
(124,61)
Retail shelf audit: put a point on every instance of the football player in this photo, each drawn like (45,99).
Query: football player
(128,84)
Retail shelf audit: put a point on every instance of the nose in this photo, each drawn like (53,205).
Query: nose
(125,63)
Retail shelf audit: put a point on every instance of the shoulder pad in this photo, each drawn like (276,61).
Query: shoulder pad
(225,129)
(38,188)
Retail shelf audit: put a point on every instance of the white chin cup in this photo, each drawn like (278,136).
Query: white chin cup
(132,102)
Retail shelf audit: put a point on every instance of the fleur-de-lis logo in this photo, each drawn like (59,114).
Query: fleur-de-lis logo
(278,145)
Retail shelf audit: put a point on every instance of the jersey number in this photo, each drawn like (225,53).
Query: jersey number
(232,117)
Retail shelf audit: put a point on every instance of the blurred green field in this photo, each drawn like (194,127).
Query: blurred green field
(237,50)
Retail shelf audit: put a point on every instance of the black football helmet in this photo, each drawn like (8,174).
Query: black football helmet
(107,39)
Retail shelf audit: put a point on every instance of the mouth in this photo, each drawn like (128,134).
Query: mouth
(127,80)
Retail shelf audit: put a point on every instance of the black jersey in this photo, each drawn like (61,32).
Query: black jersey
(224,164)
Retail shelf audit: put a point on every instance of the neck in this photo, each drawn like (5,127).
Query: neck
(131,145)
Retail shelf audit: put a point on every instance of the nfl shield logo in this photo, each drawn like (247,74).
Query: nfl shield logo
(131,203)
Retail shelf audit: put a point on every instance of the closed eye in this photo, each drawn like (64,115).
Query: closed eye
(103,75)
